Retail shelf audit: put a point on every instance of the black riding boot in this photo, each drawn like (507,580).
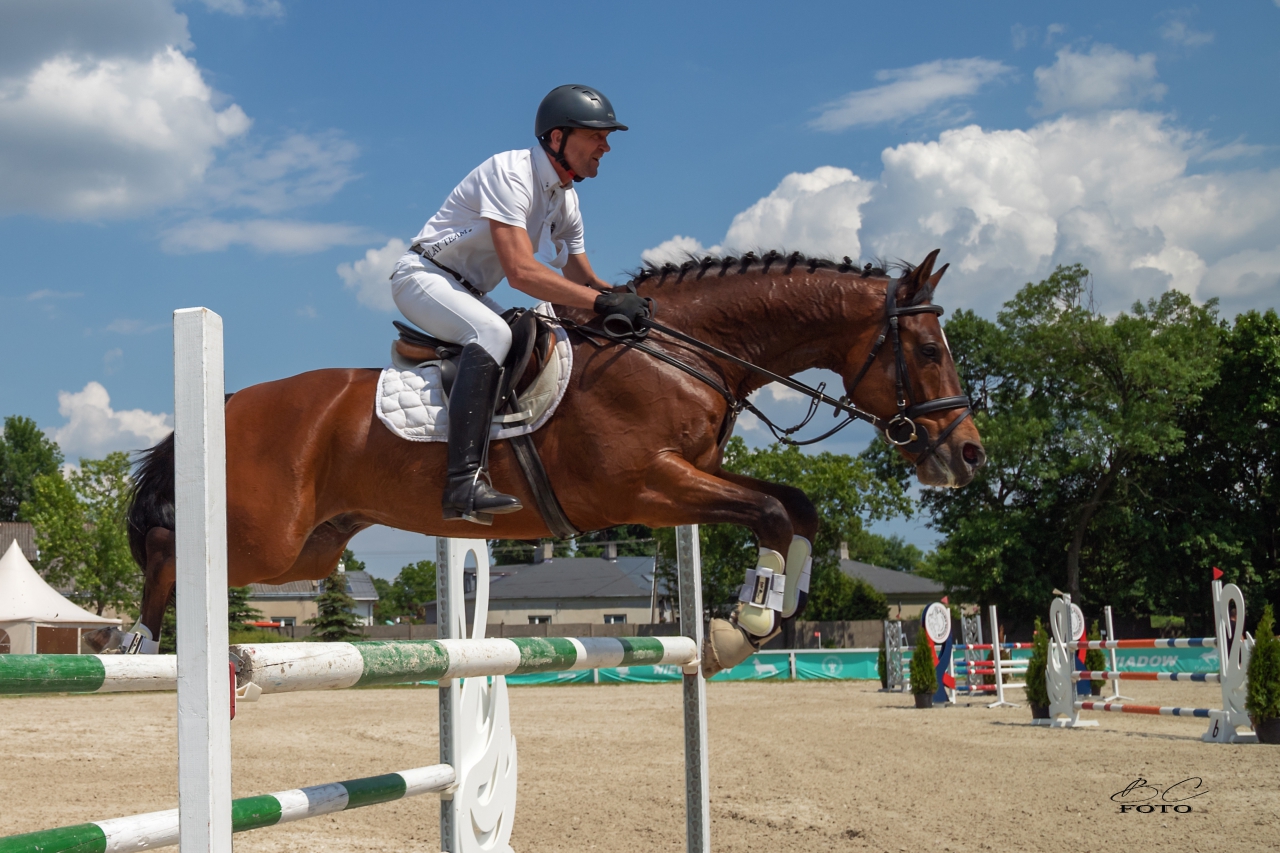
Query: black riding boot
(467,494)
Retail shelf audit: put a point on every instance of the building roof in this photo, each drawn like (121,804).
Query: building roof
(22,532)
(25,597)
(889,581)
(359,586)
(572,577)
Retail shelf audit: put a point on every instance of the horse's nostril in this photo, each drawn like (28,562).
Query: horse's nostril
(973,454)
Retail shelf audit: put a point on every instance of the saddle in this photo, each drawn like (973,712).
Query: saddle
(532,349)
(532,340)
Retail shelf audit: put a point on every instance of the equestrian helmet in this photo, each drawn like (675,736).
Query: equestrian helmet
(575,106)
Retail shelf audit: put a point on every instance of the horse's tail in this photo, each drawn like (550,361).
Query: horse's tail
(151,500)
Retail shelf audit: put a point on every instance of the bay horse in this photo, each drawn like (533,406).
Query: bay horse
(634,440)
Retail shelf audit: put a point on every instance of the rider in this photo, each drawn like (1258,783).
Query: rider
(515,216)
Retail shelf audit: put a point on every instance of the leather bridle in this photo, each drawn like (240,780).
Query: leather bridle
(901,430)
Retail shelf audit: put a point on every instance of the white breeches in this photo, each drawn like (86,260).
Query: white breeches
(442,307)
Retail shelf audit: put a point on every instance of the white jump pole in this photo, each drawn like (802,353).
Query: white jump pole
(1115,666)
(696,786)
(999,665)
(200,491)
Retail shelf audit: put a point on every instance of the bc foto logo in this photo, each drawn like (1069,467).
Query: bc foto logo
(1138,796)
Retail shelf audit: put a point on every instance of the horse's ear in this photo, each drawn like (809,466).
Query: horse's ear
(919,276)
(937,277)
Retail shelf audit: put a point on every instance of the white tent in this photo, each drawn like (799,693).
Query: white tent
(28,603)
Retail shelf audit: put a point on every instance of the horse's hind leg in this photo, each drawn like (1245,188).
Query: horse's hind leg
(159,577)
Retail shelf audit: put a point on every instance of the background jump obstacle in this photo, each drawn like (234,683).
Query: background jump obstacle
(1233,658)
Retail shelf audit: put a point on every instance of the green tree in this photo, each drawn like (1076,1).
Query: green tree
(25,454)
(1071,404)
(924,678)
(350,563)
(414,589)
(80,530)
(511,552)
(1263,699)
(1217,502)
(335,622)
(1037,690)
(835,596)
(635,540)
(239,610)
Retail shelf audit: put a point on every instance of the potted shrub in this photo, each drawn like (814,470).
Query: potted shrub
(1037,690)
(924,681)
(1263,698)
(1095,660)
(882,667)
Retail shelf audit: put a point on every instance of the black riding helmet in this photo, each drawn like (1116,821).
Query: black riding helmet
(569,107)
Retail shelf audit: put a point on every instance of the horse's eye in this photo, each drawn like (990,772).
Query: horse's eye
(929,350)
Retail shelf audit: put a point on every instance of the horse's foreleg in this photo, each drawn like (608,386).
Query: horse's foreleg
(679,493)
(804,523)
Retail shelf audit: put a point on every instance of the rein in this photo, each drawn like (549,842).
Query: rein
(901,430)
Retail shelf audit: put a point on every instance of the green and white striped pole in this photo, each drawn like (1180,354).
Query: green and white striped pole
(87,673)
(160,829)
(286,667)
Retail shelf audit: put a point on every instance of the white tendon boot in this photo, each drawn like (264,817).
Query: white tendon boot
(137,641)
(760,601)
(774,586)
(799,567)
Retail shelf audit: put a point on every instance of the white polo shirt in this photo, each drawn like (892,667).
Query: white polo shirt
(518,188)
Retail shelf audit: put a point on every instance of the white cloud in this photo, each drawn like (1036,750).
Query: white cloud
(105,113)
(781,393)
(677,250)
(369,276)
(266,235)
(814,212)
(909,92)
(1233,151)
(258,8)
(1110,190)
(1246,279)
(1177,31)
(94,429)
(88,138)
(46,294)
(1102,78)
(302,169)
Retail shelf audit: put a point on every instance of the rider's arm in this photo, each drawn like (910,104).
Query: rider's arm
(527,275)
(578,269)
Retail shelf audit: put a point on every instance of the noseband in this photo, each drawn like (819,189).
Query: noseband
(901,430)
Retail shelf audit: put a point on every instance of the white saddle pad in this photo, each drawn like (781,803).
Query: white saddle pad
(412,404)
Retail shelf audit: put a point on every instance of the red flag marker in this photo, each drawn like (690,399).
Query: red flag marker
(1217,573)
(944,599)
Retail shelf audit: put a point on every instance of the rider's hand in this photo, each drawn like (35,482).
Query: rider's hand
(622,308)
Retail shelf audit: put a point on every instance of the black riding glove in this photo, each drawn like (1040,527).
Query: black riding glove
(622,312)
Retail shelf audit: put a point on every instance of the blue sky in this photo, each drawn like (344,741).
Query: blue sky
(263,158)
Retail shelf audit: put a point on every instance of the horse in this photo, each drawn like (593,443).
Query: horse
(636,438)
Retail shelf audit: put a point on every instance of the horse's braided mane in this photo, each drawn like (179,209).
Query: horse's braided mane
(718,266)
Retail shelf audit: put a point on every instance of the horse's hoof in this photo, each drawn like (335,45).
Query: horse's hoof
(103,640)
(725,647)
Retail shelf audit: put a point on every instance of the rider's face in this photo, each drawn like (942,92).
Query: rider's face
(584,150)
